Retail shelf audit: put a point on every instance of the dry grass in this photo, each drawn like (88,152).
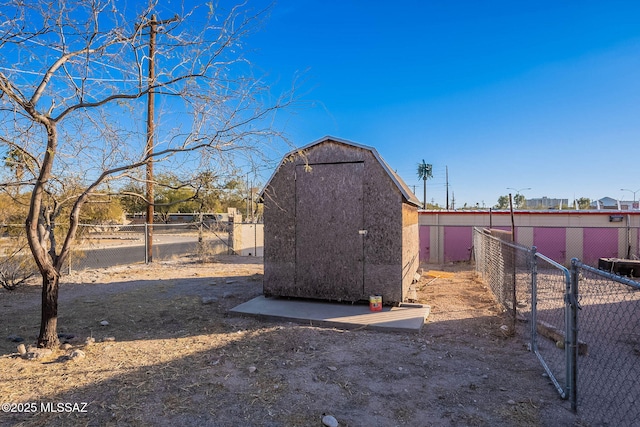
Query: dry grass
(178,361)
(155,336)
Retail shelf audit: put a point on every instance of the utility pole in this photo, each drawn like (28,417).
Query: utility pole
(447,170)
(153,29)
(150,131)
(248,197)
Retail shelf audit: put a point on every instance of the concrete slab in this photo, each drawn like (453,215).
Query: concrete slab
(405,318)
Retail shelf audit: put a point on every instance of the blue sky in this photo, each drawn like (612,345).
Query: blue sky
(542,95)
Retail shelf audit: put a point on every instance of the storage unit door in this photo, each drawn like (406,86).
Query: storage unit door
(329,236)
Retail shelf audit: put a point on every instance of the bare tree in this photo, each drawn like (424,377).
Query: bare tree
(73,86)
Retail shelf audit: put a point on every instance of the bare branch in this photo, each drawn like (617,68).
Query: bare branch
(72,83)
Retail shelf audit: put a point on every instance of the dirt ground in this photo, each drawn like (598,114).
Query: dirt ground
(172,355)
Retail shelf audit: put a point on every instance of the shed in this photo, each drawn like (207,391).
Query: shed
(339,224)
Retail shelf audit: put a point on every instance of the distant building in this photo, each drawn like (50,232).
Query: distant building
(611,203)
(627,205)
(546,203)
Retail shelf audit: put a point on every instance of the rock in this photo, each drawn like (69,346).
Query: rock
(104,323)
(329,421)
(332,368)
(252,369)
(108,339)
(64,336)
(66,346)
(22,350)
(38,353)
(209,300)
(511,402)
(77,354)
(228,295)
(15,338)
(230,281)
(89,341)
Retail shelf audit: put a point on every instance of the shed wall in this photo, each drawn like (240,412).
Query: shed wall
(279,232)
(410,246)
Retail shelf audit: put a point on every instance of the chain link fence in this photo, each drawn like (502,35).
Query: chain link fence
(102,246)
(583,325)
(608,330)
(109,245)
(506,268)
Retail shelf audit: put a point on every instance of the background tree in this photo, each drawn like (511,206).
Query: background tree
(172,196)
(503,202)
(519,201)
(203,193)
(584,203)
(72,100)
(132,197)
(424,173)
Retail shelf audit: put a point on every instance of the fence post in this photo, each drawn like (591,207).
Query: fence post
(534,300)
(571,334)
(146,243)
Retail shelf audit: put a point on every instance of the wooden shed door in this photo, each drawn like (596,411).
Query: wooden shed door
(329,220)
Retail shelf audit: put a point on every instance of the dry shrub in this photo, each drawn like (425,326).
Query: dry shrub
(205,252)
(15,270)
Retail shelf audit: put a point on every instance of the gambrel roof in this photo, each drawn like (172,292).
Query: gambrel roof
(400,184)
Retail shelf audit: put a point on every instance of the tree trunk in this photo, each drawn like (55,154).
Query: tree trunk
(424,200)
(49,318)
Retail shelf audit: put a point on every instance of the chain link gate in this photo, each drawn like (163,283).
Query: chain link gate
(550,286)
(533,289)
